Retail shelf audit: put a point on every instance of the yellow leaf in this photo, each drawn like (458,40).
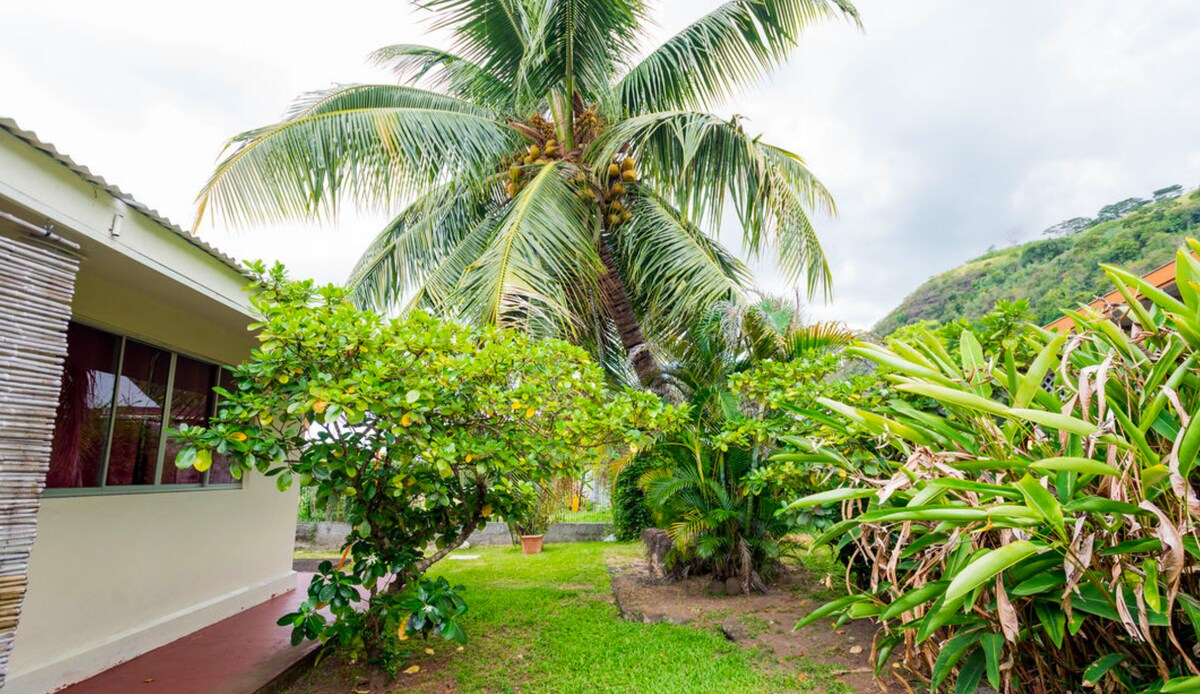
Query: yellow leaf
(428,651)
(460,648)
(470,457)
(283,378)
(401,633)
(406,420)
(487,510)
(237,436)
(529,412)
(319,406)
(203,460)
(412,670)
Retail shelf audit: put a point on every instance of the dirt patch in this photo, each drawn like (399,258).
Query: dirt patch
(755,621)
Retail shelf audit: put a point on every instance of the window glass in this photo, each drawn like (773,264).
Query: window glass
(219,472)
(137,429)
(192,400)
(110,414)
(84,407)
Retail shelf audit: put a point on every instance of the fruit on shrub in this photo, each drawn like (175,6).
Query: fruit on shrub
(614,170)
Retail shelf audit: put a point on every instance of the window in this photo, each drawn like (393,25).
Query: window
(119,398)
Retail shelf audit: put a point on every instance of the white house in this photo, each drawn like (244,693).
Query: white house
(121,552)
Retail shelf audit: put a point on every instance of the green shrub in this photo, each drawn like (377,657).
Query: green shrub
(1036,524)
(424,430)
(630,512)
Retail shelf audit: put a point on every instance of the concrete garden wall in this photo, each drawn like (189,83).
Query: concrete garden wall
(330,536)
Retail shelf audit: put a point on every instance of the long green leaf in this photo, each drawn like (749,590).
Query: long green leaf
(987,566)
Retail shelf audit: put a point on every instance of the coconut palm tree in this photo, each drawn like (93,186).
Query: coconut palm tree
(548,179)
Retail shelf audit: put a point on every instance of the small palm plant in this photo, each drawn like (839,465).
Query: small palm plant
(546,178)
(704,489)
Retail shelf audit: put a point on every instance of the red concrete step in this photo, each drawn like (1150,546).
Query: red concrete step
(244,654)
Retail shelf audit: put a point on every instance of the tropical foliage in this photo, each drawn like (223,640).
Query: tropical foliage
(1056,273)
(1033,524)
(424,430)
(705,481)
(548,178)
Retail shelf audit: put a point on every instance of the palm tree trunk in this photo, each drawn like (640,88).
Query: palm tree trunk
(620,309)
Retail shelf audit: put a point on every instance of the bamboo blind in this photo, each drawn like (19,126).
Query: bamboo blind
(36,285)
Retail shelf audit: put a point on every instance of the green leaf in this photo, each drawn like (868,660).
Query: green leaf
(1054,420)
(1100,667)
(952,396)
(1053,620)
(1136,546)
(993,647)
(970,674)
(828,609)
(950,654)
(1046,360)
(985,567)
(1182,684)
(203,460)
(1153,598)
(913,598)
(1085,466)
(413,396)
(1191,607)
(831,496)
(185,458)
(1043,502)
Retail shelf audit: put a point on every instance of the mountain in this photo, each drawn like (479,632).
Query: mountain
(1061,270)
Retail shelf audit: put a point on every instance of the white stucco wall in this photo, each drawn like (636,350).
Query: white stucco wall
(112,577)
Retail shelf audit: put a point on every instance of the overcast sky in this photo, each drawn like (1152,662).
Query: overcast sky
(944,128)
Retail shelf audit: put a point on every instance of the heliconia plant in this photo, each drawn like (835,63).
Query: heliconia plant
(1035,524)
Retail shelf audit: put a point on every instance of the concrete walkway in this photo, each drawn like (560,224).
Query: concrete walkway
(239,655)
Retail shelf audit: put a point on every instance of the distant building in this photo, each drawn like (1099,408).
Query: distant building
(1115,306)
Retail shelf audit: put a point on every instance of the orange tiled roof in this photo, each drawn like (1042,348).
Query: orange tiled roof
(1161,278)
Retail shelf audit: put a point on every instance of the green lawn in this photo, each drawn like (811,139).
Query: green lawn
(547,623)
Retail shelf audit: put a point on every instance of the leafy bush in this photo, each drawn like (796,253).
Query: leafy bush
(710,493)
(1038,524)
(630,512)
(424,430)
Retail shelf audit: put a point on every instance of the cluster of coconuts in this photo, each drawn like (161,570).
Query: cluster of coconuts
(535,154)
(612,207)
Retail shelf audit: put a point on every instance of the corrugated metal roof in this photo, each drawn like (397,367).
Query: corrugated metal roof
(86,174)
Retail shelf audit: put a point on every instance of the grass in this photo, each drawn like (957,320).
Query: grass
(599,515)
(547,623)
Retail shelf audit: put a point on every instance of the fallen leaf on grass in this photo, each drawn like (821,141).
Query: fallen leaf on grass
(412,670)
(855,650)
(428,651)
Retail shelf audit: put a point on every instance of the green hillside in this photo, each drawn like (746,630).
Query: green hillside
(1060,271)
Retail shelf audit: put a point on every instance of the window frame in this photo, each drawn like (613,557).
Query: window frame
(104,489)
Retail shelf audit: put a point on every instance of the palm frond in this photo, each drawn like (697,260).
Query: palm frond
(701,163)
(543,250)
(671,269)
(493,34)
(420,250)
(373,145)
(723,51)
(583,43)
(445,71)
(817,337)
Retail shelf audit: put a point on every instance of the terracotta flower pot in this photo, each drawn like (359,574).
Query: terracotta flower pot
(532,544)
